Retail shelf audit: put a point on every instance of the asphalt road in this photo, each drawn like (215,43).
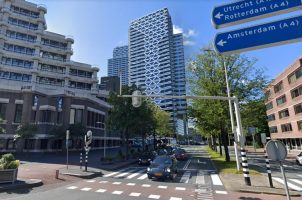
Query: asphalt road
(197,179)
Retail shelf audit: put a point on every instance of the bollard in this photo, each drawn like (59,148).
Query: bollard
(81,160)
(57,174)
(245,167)
(86,161)
(269,172)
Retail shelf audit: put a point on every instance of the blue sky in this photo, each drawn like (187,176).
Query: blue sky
(100,25)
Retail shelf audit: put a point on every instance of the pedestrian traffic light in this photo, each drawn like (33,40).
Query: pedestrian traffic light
(136,101)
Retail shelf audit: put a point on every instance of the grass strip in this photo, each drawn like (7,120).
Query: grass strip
(228,167)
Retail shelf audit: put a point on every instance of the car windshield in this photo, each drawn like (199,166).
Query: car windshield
(161,160)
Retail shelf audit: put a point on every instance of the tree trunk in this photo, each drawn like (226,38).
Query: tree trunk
(225,145)
(219,140)
(154,141)
(127,143)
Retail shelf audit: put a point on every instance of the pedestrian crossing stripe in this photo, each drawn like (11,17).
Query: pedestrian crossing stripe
(290,185)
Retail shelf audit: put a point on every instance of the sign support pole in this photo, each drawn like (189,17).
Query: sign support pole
(67,146)
(245,165)
(285,181)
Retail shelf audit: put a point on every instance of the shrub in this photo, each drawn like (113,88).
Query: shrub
(8,161)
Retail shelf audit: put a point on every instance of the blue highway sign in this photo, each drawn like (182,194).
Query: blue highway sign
(248,10)
(260,36)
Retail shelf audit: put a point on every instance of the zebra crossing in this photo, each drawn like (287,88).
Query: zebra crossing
(293,183)
(133,182)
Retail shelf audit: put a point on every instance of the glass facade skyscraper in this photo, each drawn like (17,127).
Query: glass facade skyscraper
(118,65)
(156,61)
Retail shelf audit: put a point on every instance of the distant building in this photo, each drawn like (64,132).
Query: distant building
(41,85)
(284,106)
(110,84)
(118,65)
(156,61)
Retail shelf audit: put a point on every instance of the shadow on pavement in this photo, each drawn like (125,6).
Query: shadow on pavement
(18,191)
(250,198)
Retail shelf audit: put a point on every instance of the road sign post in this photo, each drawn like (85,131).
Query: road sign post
(244,11)
(67,148)
(260,36)
(276,151)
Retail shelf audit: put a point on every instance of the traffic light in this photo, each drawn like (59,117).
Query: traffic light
(88,138)
(136,101)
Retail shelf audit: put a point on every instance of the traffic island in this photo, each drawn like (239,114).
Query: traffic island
(81,173)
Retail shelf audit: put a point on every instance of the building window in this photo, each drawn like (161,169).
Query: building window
(58,117)
(2,110)
(46,116)
(271,117)
(269,106)
(296,92)
(10,144)
(286,127)
(299,125)
(44,143)
(281,100)
(278,87)
(76,116)
(95,120)
(30,143)
(298,108)
(283,113)
(18,113)
(294,76)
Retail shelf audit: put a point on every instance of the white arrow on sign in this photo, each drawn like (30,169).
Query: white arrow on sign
(221,43)
(218,15)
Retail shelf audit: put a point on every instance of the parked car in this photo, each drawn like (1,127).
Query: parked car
(299,159)
(146,158)
(181,154)
(163,167)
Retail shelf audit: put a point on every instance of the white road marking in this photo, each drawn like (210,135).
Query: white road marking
(116,183)
(124,174)
(152,196)
(134,194)
(101,190)
(146,185)
(292,186)
(200,179)
(180,188)
(200,190)
(114,173)
(117,192)
(299,175)
(142,177)
(221,192)
(185,177)
(135,174)
(86,189)
(72,187)
(296,181)
(90,181)
(175,198)
(103,182)
(187,164)
(130,184)
(162,187)
(215,179)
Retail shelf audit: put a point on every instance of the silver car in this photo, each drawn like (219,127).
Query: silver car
(299,159)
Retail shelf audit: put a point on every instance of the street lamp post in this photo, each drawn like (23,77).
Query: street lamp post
(231,111)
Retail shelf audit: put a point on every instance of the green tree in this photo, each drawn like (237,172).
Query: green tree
(58,132)
(2,130)
(26,130)
(207,78)
(162,118)
(128,120)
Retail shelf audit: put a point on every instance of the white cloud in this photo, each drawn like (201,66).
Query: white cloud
(188,35)
(177,29)
(189,43)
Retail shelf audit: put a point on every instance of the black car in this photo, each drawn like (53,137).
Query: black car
(162,167)
(146,158)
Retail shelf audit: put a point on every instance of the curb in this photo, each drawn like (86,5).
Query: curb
(119,166)
(84,176)
(292,194)
(35,183)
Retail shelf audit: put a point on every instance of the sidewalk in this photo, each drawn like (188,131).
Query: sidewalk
(21,183)
(260,185)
